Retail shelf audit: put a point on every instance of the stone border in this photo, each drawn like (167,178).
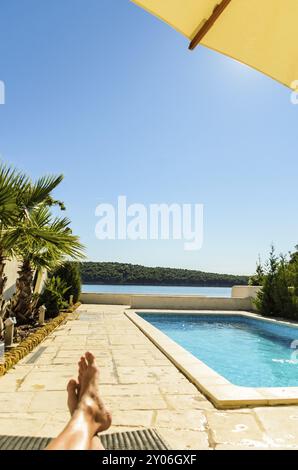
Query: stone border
(222,393)
(13,356)
(173,302)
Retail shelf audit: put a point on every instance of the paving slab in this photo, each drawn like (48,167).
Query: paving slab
(139,384)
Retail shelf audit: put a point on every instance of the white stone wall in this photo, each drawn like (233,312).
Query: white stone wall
(11,271)
(244,292)
(178,302)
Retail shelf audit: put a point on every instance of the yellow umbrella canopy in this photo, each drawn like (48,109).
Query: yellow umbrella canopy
(260,33)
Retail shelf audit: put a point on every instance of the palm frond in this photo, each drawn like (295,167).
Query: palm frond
(40,235)
(33,234)
(10,181)
(40,216)
(40,191)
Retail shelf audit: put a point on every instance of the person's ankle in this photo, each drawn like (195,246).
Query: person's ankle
(85,414)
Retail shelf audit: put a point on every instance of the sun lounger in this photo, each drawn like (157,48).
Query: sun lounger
(146,439)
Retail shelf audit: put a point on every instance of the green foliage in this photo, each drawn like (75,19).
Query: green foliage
(265,299)
(284,297)
(31,234)
(43,240)
(69,272)
(258,278)
(118,273)
(53,296)
(293,271)
(8,204)
(278,296)
(294,256)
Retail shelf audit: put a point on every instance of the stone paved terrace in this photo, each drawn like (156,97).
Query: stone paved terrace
(140,385)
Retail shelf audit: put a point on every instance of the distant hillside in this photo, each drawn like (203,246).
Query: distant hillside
(119,273)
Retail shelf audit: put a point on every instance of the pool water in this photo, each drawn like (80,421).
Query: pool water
(246,351)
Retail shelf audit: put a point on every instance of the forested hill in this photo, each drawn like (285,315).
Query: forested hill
(119,273)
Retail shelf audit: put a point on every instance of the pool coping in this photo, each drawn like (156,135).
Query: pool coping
(222,393)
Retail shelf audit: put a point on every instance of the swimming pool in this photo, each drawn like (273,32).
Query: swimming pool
(247,351)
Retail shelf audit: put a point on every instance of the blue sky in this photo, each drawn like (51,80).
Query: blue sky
(110,96)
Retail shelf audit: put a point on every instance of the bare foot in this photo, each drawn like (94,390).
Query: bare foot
(89,414)
(72,403)
(84,395)
(73,396)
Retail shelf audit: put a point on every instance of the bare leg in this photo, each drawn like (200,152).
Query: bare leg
(90,415)
(72,402)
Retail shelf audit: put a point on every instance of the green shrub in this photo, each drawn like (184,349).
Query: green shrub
(277,297)
(293,272)
(258,278)
(69,273)
(53,296)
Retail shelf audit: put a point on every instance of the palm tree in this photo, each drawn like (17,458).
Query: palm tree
(41,242)
(7,194)
(19,196)
(11,183)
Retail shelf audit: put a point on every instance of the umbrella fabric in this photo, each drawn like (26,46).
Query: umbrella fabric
(260,33)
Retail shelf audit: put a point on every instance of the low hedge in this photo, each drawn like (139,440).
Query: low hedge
(12,357)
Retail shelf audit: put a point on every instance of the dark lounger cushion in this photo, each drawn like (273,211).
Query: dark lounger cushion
(147,439)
